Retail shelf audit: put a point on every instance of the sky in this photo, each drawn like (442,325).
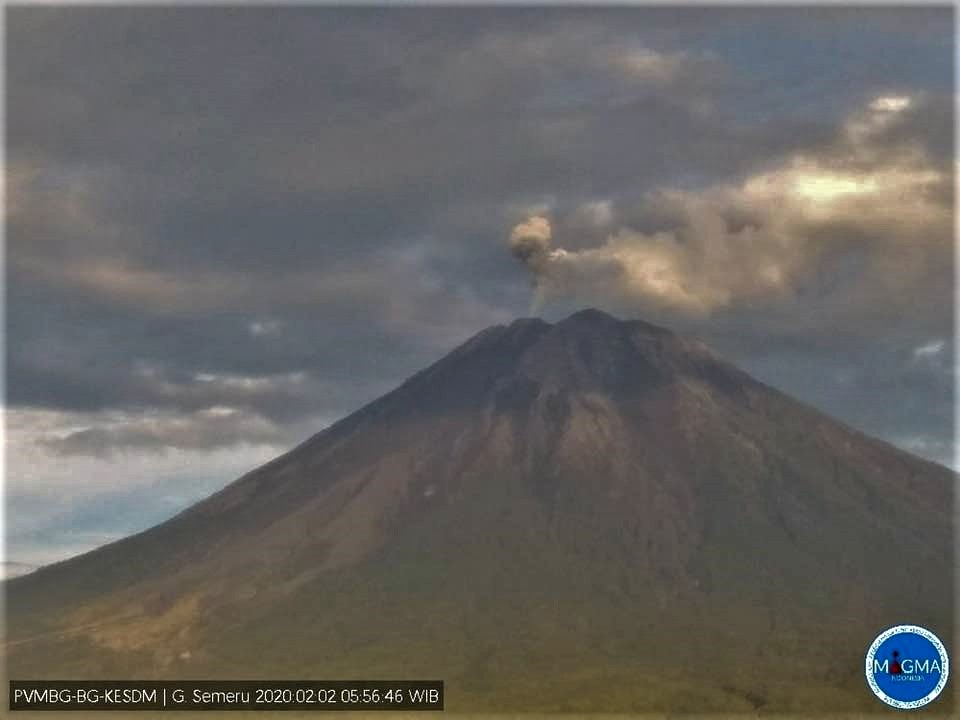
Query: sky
(228,227)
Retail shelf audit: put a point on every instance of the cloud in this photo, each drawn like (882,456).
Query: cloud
(288,216)
(646,64)
(890,103)
(59,505)
(872,211)
(261,328)
(934,347)
(213,427)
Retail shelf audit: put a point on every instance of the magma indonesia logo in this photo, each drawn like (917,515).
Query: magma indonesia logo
(907,666)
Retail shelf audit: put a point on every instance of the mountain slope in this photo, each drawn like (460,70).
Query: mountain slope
(589,515)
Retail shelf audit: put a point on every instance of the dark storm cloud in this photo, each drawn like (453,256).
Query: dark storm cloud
(285,212)
(857,383)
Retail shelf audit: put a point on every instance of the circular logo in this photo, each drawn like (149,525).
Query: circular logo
(907,666)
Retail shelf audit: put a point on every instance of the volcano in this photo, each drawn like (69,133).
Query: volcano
(592,515)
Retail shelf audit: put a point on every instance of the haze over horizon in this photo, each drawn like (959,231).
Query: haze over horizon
(228,228)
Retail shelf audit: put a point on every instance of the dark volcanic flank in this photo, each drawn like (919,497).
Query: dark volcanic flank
(592,515)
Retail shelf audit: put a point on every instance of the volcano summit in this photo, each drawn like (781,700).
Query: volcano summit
(591,515)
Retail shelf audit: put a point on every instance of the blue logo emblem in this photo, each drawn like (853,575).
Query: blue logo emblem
(907,666)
